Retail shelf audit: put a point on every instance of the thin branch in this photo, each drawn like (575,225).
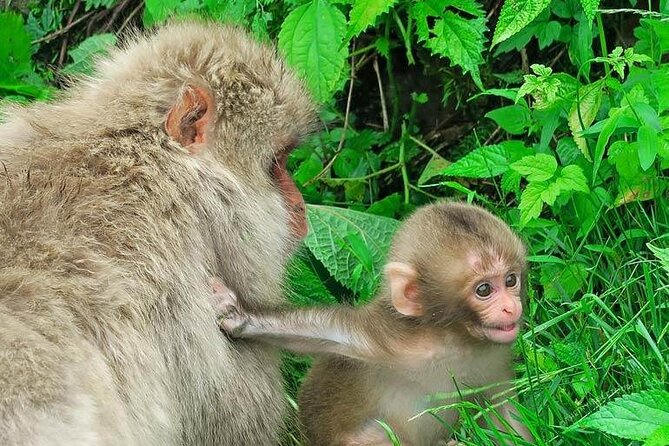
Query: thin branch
(130,17)
(384,110)
(55,34)
(343,133)
(63,46)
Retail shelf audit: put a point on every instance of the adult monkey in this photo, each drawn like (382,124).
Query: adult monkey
(118,202)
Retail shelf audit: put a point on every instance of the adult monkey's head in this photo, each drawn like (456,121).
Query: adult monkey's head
(225,98)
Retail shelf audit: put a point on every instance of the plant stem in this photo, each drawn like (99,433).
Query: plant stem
(602,42)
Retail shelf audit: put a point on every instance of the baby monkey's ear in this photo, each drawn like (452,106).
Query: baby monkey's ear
(404,292)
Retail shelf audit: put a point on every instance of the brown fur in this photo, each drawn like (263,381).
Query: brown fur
(109,231)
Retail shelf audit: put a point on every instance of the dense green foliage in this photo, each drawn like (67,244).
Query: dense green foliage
(551,113)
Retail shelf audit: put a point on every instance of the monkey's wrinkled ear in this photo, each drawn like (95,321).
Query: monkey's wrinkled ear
(190,118)
(404,290)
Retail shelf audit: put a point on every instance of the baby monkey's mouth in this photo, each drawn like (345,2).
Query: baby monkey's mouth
(509,327)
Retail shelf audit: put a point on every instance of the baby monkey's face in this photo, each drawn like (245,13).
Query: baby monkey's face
(494,295)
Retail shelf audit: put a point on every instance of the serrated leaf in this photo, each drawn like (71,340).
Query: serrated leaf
(461,41)
(511,182)
(660,437)
(516,15)
(539,167)
(311,39)
(364,14)
(573,178)
(483,162)
(85,53)
(648,143)
(590,8)
(583,113)
(635,416)
(531,202)
(329,240)
(304,286)
(552,191)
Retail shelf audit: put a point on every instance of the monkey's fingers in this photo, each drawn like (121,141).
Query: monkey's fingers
(232,322)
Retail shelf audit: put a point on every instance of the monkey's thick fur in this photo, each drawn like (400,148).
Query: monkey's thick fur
(110,231)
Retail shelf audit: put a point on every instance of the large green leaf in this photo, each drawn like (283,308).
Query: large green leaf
(487,161)
(516,15)
(461,40)
(513,118)
(156,11)
(635,416)
(304,285)
(86,52)
(583,112)
(311,39)
(351,245)
(15,48)
(364,13)
(449,35)
(539,167)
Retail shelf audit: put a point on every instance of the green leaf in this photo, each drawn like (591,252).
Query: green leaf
(572,178)
(15,49)
(157,11)
(511,182)
(364,14)
(531,202)
(662,254)
(583,113)
(434,167)
(610,125)
(351,245)
(660,437)
(312,38)
(487,161)
(548,33)
(562,281)
(648,143)
(590,8)
(512,118)
(460,40)
(91,4)
(85,53)
(516,15)
(635,416)
(539,167)
(304,285)
(387,206)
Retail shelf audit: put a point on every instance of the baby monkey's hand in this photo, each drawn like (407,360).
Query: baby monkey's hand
(231,318)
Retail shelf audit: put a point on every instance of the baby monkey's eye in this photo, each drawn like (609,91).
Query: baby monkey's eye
(511,280)
(484,290)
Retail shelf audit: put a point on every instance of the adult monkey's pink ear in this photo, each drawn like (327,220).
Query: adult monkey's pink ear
(190,118)
(404,292)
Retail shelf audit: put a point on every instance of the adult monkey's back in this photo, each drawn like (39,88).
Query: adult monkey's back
(118,201)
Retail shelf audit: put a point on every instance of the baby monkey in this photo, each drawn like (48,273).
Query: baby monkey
(442,324)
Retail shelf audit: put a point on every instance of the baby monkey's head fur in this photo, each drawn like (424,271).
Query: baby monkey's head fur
(470,269)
